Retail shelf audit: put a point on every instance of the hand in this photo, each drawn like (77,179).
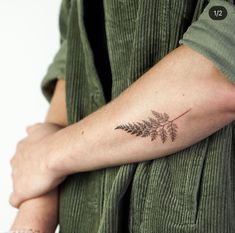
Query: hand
(31,177)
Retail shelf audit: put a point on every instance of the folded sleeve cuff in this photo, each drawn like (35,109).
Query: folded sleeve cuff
(215,39)
(55,71)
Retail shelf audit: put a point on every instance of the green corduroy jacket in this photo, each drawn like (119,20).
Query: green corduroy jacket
(192,190)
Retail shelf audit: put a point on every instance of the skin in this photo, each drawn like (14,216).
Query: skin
(41,213)
(183,80)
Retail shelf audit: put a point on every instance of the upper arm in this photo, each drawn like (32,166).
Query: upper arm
(56,70)
(215,40)
(57,113)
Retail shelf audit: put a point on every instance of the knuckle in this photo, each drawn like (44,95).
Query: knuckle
(20,144)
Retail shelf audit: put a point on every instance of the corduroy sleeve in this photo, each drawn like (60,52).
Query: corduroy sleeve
(56,69)
(215,38)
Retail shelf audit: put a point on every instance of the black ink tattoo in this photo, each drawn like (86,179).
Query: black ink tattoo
(153,127)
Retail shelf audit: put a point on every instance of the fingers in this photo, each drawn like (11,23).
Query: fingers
(33,127)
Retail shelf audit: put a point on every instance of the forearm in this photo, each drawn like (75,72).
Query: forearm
(183,82)
(41,213)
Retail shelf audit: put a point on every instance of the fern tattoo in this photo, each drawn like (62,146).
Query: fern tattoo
(159,126)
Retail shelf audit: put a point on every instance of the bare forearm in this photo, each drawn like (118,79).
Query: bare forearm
(184,85)
(41,213)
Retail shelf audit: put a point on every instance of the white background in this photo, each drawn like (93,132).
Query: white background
(29,38)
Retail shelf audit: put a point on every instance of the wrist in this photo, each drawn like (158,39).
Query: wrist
(59,147)
(49,155)
(67,147)
(39,214)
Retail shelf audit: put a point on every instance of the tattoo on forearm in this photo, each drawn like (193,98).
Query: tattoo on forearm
(160,126)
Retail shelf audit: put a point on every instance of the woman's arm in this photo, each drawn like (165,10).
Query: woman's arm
(180,101)
(195,96)
(41,213)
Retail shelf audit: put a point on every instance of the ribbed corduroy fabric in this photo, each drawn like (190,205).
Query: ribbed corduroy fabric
(190,191)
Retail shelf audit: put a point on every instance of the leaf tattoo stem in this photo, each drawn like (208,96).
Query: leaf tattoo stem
(159,126)
(181,114)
